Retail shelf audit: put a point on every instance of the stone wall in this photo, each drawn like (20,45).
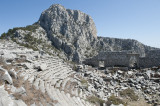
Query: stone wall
(126,59)
(114,59)
(152,59)
(92,62)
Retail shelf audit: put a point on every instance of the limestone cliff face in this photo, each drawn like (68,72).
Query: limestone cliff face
(68,22)
(72,33)
(115,44)
(69,30)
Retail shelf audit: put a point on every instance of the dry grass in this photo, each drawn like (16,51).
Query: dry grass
(94,99)
(17,95)
(34,96)
(18,82)
(17,68)
(20,60)
(7,89)
(2,72)
(7,66)
(116,101)
(1,82)
(69,87)
(138,103)
(1,61)
(84,83)
(129,93)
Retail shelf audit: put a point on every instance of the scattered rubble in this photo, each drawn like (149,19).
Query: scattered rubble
(104,83)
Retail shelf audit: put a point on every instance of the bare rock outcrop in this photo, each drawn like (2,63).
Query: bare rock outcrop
(116,44)
(67,22)
(5,76)
(70,30)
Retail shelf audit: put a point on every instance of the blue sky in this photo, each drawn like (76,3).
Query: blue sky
(134,19)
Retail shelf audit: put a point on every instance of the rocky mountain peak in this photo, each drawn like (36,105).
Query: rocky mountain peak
(68,22)
(58,6)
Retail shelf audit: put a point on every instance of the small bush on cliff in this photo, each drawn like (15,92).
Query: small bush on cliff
(31,27)
(10,32)
(3,36)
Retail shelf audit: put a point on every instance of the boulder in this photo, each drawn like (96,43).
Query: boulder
(19,90)
(138,87)
(12,73)
(6,76)
(101,80)
(40,67)
(120,72)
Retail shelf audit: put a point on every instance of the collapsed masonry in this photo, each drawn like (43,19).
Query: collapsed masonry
(125,59)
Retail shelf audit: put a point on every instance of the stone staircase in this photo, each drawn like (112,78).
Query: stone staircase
(56,79)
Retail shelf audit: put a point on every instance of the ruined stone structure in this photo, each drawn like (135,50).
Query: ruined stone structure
(152,58)
(124,59)
(109,59)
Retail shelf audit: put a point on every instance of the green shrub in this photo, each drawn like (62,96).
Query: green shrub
(28,38)
(129,93)
(3,35)
(116,101)
(83,81)
(10,32)
(31,27)
(94,99)
(29,46)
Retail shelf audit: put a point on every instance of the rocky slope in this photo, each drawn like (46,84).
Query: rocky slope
(33,78)
(70,34)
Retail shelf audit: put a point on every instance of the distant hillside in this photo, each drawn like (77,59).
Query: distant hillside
(116,44)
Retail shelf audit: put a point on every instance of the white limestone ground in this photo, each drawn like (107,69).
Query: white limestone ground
(47,73)
(6,100)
